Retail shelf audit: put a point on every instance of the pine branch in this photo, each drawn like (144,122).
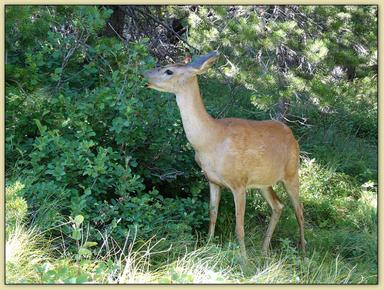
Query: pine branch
(169,29)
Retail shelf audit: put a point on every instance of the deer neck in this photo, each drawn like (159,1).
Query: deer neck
(198,125)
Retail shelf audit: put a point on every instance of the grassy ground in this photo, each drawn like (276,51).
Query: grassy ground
(340,230)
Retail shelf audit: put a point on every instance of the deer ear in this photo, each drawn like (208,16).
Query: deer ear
(202,63)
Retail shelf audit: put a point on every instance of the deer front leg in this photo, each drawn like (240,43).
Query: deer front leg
(214,192)
(239,196)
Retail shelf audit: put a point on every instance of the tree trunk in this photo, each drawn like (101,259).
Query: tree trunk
(282,109)
(115,24)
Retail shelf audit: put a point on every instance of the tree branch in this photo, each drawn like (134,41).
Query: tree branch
(169,29)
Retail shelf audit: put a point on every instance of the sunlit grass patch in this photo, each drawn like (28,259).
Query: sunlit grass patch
(24,251)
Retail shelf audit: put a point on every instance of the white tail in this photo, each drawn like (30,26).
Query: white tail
(234,153)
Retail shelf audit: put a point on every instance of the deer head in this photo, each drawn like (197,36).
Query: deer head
(174,77)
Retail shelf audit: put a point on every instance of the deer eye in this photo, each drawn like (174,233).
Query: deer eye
(168,72)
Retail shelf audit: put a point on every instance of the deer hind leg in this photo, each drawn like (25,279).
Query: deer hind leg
(214,192)
(240,198)
(292,187)
(277,207)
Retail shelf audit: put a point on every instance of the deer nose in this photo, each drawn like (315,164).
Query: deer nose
(145,77)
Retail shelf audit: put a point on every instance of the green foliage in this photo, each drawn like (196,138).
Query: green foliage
(334,199)
(290,52)
(87,132)
(86,141)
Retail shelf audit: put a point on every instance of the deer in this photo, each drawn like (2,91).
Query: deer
(234,153)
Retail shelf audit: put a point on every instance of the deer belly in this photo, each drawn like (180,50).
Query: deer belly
(252,167)
(249,169)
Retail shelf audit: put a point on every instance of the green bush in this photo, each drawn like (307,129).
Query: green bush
(87,133)
(335,199)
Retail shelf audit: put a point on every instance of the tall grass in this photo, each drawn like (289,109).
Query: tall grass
(25,250)
(208,264)
(341,231)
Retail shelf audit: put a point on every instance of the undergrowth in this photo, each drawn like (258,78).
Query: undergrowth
(340,230)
